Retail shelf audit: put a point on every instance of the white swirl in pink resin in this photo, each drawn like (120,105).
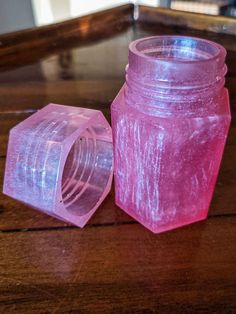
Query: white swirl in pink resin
(170,122)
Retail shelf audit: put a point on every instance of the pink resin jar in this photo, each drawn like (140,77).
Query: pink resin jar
(170,122)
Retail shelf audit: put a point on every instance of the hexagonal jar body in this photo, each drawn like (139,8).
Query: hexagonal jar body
(60,161)
(170,122)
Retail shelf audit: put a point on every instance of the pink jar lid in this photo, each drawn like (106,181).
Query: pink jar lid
(60,161)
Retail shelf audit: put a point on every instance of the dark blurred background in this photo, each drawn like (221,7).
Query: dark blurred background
(21,14)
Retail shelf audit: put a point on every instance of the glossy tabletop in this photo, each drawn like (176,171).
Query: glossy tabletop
(113,265)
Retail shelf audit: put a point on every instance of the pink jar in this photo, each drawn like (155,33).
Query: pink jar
(170,122)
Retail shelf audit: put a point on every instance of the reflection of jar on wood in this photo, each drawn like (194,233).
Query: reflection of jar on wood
(170,121)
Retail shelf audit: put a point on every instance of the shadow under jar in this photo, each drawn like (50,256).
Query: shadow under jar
(170,122)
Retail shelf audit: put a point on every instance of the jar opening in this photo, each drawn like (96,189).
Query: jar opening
(177,62)
(177,48)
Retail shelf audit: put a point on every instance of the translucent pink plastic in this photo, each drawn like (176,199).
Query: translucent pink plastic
(60,161)
(170,122)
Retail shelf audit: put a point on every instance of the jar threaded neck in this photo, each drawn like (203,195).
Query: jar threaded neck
(173,68)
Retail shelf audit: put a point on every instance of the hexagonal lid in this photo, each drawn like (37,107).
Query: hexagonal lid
(60,161)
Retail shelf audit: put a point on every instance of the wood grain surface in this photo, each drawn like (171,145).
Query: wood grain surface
(29,44)
(120,269)
(113,265)
(203,22)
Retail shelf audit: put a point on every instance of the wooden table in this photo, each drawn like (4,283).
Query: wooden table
(113,265)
